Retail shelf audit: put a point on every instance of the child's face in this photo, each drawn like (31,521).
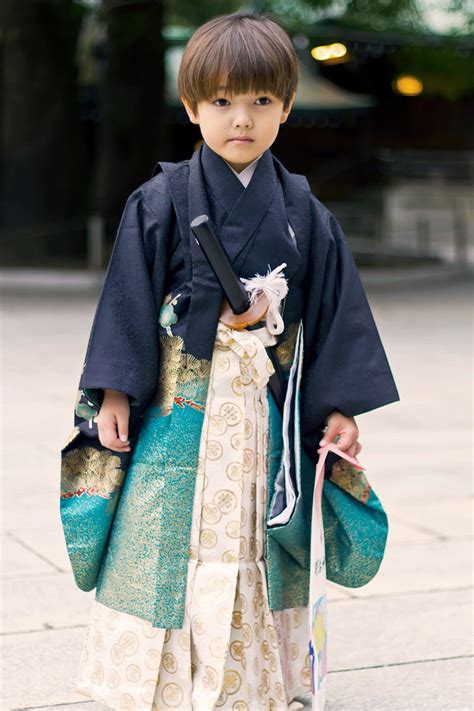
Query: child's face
(226,117)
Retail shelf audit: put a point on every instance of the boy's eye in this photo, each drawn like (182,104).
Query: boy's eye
(263,99)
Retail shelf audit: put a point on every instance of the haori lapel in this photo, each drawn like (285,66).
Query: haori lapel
(245,207)
(222,185)
(251,223)
(296,191)
(188,194)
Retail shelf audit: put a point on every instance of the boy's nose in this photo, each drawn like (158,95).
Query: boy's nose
(242,120)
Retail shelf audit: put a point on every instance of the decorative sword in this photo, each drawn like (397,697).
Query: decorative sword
(237,311)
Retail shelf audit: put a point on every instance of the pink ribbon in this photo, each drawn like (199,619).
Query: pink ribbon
(317,588)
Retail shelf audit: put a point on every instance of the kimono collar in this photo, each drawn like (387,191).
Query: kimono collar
(250,222)
(245,175)
(227,189)
(243,208)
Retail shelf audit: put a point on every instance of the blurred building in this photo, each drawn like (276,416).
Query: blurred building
(381,126)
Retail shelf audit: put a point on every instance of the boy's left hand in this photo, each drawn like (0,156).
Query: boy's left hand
(346,428)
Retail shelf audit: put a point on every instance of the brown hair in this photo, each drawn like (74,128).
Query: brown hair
(246,52)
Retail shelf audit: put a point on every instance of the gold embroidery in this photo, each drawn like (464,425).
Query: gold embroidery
(182,377)
(170,358)
(286,349)
(90,471)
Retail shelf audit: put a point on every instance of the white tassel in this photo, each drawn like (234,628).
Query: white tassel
(275,287)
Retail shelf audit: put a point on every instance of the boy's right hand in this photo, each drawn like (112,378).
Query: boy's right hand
(112,421)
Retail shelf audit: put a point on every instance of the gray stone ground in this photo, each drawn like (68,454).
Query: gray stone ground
(401,643)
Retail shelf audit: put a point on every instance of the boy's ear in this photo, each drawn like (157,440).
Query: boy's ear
(286,113)
(194,118)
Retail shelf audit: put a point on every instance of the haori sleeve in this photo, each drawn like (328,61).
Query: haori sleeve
(122,352)
(345,364)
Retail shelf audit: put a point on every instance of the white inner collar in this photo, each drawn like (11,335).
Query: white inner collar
(245,175)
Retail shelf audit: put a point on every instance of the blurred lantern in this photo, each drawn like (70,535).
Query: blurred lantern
(331,53)
(407,85)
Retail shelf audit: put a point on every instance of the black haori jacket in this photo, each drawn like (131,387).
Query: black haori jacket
(160,305)
(345,365)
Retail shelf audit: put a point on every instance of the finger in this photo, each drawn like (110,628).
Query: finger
(110,432)
(330,433)
(344,445)
(122,426)
(351,451)
(117,444)
(346,441)
(110,438)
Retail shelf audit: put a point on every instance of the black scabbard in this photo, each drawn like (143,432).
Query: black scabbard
(235,292)
(233,288)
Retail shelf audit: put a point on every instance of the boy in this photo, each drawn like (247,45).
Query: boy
(158,361)
(239,129)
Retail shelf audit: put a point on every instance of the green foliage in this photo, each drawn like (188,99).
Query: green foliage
(192,14)
(368,14)
(384,15)
(300,13)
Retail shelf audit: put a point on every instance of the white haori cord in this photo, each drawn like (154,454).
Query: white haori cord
(275,287)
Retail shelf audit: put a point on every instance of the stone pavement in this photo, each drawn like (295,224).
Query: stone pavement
(401,643)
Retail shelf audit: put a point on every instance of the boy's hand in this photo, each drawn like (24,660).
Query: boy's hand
(112,421)
(346,428)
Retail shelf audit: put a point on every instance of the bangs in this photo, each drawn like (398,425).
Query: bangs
(240,68)
(241,54)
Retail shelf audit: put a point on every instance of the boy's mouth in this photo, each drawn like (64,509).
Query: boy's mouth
(241,139)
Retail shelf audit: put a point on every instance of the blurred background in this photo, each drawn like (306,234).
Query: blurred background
(385,101)
(382,127)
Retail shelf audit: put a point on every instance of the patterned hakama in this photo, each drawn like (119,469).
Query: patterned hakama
(232,651)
